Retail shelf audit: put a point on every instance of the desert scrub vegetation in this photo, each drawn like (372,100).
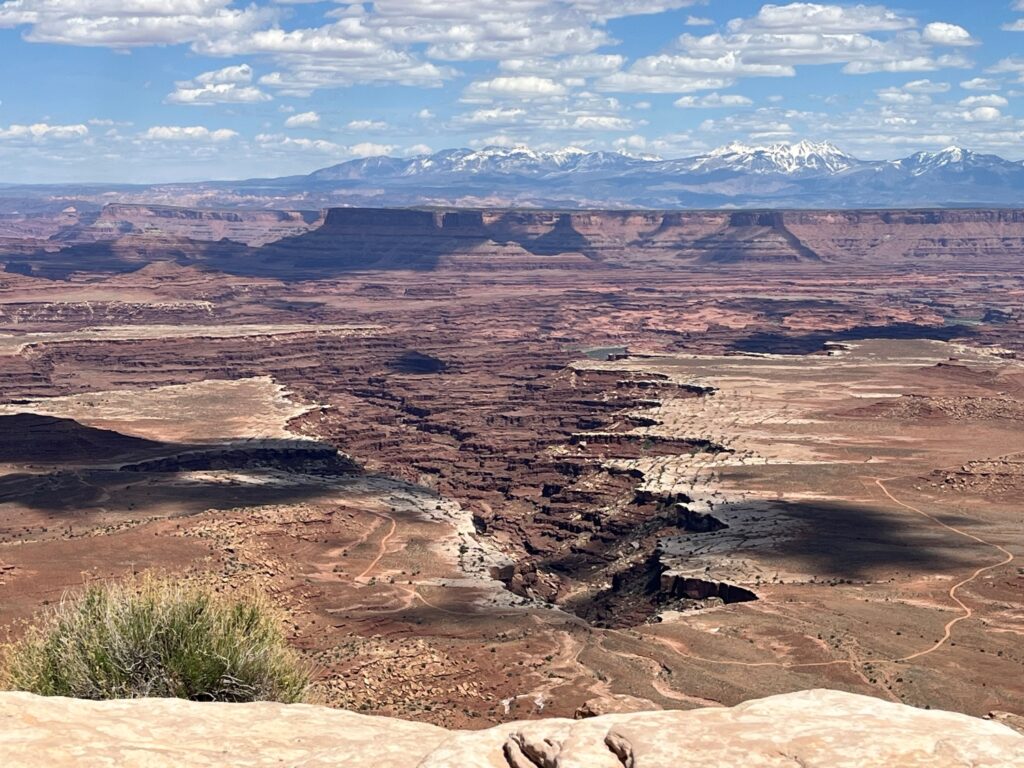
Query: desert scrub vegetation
(154,636)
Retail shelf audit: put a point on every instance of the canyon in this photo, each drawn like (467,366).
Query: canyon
(499,464)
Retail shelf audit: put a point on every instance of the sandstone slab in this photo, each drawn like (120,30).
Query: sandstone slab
(821,728)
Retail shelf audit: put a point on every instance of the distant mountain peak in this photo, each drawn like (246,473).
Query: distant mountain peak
(955,159)
(951,153)
(802,157)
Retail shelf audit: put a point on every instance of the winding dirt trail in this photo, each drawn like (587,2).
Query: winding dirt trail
(383,547)
(412,594)
(677,649)
(967,610)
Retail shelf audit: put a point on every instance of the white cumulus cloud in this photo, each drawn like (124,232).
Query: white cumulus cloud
(926,86)
(982,115)
(44,131)
(302,120)
(187,133)
(367,125)
(712,100)
(515,87)
(370,149)
(818,18)
(129,23)
(219,93)
(989,100)
(229,85)
(981,84)
(602,123)
(941,33)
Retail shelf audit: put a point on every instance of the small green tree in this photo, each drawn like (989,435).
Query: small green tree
(153,636)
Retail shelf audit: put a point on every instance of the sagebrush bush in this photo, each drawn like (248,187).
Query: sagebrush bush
(154,636)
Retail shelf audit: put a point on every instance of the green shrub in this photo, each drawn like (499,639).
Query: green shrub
(157,637)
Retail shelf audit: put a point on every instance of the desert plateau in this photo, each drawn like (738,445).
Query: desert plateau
(501,465)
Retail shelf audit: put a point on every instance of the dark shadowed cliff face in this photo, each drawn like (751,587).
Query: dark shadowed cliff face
(359,238)
(297,245)
(354,239)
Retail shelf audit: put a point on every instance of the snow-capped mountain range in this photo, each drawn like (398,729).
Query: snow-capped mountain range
(801,175)
(805,174)
(517,161)
(805,158)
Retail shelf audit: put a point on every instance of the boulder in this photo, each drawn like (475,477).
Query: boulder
(613,704)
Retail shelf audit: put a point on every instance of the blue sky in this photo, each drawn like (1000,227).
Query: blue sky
(164,90)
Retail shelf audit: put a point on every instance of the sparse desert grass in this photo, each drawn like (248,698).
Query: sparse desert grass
(154,636)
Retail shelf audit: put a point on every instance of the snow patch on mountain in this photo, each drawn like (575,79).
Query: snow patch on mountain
(955,159)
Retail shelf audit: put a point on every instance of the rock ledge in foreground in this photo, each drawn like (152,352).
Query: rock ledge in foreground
(822,728)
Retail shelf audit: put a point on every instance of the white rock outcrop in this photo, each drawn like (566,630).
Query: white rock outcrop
(815,729)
